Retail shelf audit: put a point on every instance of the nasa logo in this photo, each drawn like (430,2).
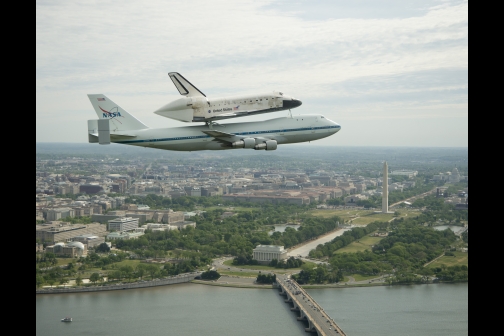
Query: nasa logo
(108,114)
(111,114)
(209,111)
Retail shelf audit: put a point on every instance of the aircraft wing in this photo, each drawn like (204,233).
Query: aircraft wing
(223,137)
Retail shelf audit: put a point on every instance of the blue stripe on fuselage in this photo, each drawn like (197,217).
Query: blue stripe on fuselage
(241,133)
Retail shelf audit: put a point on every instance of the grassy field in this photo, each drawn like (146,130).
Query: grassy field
(343,213)
(359,277)
(132,263)
(266,268)
(232,209)
(460,258)
(368,218)
(362,244)
(358,216)
(243,274)
(65,261)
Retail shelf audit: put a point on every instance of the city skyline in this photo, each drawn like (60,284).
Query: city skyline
(390,73)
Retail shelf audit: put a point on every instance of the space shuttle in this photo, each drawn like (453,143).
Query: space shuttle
(195,106)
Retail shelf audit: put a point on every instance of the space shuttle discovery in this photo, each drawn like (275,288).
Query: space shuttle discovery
(195,106)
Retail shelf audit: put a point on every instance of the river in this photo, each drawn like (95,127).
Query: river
(193,309)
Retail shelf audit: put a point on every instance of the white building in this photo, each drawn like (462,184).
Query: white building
(403,172)
(123,224)
(124,235)
(265,253)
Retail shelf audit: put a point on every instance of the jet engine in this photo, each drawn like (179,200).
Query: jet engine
(267,145)
(244,143)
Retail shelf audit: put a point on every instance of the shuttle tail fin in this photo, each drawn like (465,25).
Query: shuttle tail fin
(120,120)
(184,86)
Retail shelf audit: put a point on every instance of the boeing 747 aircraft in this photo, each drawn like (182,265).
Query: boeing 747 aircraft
(118,126)
(195,106)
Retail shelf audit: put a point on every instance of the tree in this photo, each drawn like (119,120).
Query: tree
(78,280)
(94,278)
(103,247)
(153,270)
(39,281)
(210,275)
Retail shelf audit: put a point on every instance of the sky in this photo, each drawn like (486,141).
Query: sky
(390,72)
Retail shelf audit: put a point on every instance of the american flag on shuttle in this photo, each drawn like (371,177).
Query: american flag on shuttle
(101,99)
(236,108)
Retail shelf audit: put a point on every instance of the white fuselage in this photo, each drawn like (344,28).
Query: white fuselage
(205,108)
(283,130)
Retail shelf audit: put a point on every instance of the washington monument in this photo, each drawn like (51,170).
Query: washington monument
(385,188)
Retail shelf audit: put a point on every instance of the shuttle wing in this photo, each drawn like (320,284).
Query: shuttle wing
(185,87)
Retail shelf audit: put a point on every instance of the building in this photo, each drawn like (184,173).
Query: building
(59,213)
(267,199)
(183,224)
(107,217)
(90,188)
(90,240)
(72,249)
(124,235)
(403,172)
(123,224)
(65,232)
(353,199)
(265,253)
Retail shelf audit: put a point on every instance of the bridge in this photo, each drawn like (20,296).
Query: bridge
(309,310)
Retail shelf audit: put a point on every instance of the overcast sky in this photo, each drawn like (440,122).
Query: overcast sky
(390,72)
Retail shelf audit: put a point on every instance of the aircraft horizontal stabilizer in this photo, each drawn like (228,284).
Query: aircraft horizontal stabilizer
(121,135)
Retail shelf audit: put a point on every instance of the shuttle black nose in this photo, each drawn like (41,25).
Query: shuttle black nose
(291,103)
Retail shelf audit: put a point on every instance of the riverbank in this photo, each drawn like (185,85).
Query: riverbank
(181,278)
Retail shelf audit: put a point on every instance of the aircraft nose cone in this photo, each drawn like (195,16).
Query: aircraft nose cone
(291,103)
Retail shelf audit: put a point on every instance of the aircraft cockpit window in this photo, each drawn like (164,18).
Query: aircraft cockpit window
(281,94)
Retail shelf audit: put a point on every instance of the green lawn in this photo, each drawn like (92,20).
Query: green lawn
(360,277)
(362,244)
(243,274)
(368,218)
(344,214)
(460,258)
(127,262)
(232,209)
(358,216)
(65,261)
(265,267)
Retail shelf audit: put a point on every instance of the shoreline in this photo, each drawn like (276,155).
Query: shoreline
(246,283)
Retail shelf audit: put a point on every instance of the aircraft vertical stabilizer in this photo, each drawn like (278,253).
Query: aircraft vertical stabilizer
(120,120)
(184,87)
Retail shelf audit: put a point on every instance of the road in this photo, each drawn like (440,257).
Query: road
(306,248)
(414,198)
